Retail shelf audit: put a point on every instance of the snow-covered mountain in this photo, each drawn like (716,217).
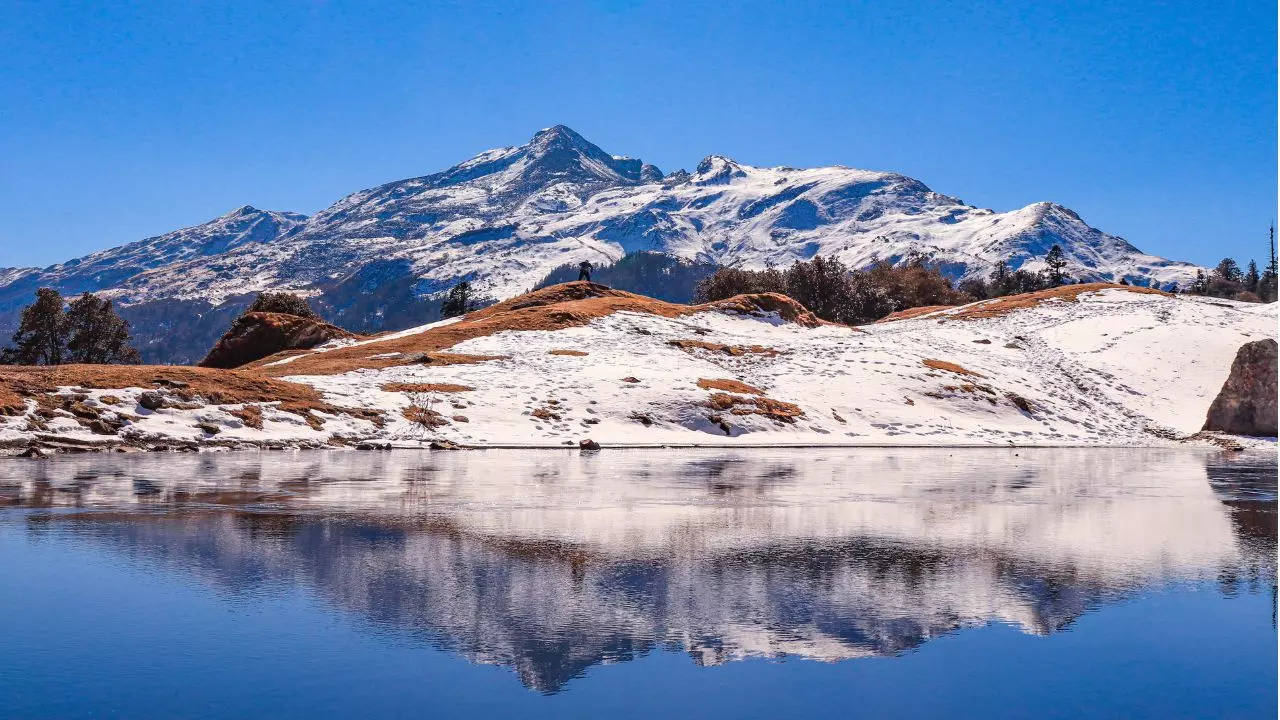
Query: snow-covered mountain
(506,217)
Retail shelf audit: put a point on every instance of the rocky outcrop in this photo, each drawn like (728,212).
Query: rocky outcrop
(256,335)
(1247,403)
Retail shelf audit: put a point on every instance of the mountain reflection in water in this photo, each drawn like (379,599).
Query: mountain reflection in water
(550,562)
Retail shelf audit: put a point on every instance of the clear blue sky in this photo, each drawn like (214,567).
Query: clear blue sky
(121,120)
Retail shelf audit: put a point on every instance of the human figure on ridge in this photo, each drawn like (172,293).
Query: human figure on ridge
(584,271)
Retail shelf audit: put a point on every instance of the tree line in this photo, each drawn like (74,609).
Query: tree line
(1227,280)
(53,332)
(838,293)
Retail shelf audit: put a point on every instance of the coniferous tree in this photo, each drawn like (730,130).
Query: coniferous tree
(42,332)
(1228,269)
(1251,277)
(459,302)
(96,334)
(282,302)
(1267,282)
(1055,261)
(1200,285)
(998,282)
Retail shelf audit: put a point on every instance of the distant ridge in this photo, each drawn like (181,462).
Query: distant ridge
(380,258)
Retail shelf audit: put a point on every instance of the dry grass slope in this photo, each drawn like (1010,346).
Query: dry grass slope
(551,308)
(733,386)
(949,367)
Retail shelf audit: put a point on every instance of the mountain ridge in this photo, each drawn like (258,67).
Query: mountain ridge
(506,217)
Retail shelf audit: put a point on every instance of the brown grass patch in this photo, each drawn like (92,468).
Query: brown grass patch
(949,367)
(11,401)
(1065,293)
(425,387)
(735,350)
(768,407)
(551,308)
(727,385)
(913,312)
(572,353)
(545,414)
(250,415)
(425,417)
(208,385)
(981,392)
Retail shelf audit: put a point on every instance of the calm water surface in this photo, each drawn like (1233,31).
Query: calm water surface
(877,583)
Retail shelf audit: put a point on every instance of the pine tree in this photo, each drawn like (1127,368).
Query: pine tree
(1055,261)
(1228,270)
(1200,285)
(1267,283)
(1251,277)
(999,280)
(42,333)
(97,334)
(459,301)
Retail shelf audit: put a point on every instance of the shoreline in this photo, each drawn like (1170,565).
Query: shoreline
(64,446)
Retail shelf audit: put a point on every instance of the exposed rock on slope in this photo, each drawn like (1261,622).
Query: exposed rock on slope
(256,335)
(1247,403)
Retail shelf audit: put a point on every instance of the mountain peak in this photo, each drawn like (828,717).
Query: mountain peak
(717,169)
(557,132)
(559,154)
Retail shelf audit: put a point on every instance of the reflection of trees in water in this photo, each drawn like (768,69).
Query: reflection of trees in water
(1249,493)
(549,606)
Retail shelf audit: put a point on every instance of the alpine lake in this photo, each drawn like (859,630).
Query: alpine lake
(991,583)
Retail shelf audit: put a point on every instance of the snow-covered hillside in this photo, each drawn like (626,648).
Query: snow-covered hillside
(140,268)
(1079,365)
(506,217)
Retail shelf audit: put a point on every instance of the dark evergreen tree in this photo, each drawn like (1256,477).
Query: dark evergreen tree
(96,334)
(282,302)
(998,282)
(1251,277)
(1200,285)
(42,332)
(1267,282)
(1055,261)
(976,287)
(459,302)
(820,285)
(1228,270)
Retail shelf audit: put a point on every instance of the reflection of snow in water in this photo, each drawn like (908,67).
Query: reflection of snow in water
(551,562)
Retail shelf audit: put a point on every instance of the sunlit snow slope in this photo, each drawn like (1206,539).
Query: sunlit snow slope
(506,217)
(1080,365)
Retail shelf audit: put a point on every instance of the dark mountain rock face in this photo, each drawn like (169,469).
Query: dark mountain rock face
(1247,403)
